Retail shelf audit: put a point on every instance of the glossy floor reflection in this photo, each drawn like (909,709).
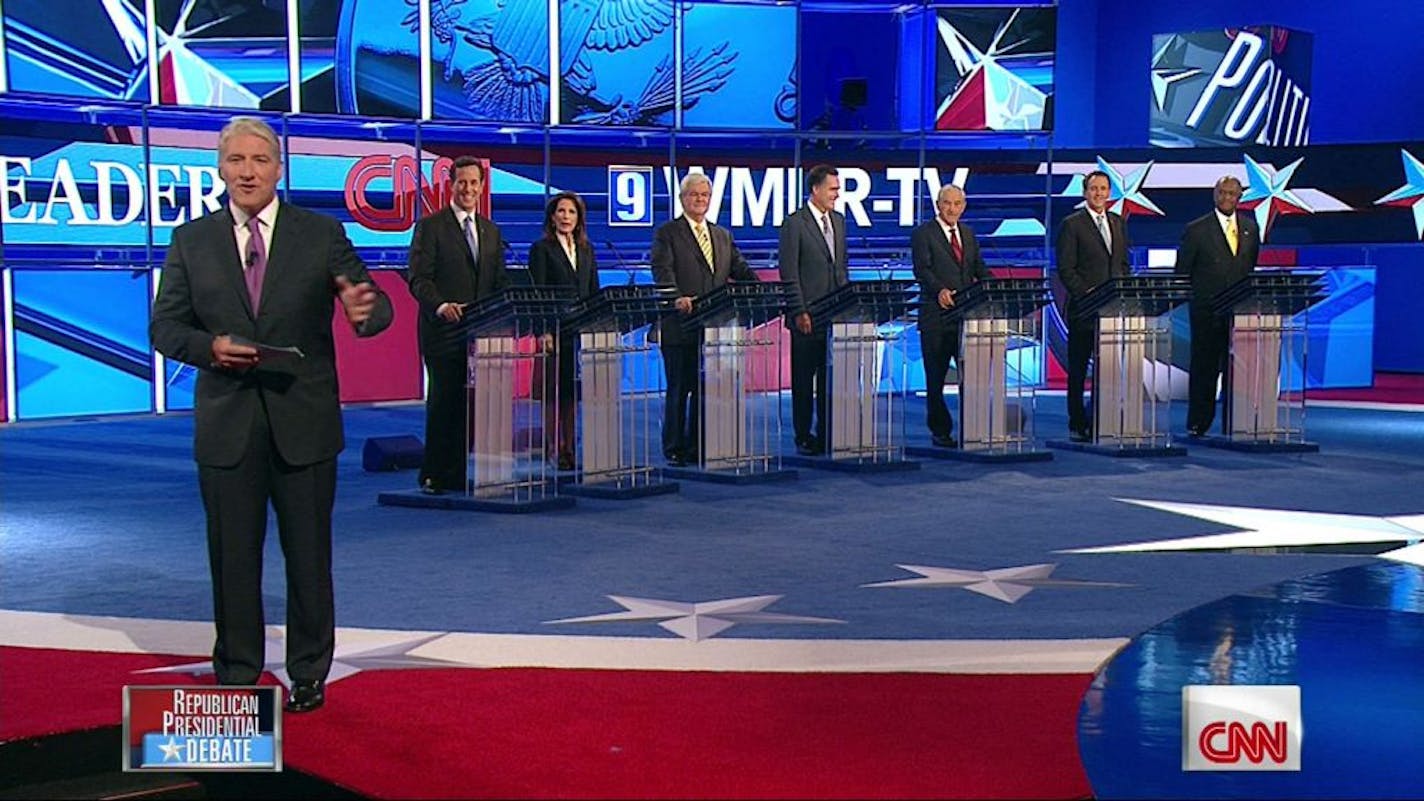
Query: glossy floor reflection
(1353,639)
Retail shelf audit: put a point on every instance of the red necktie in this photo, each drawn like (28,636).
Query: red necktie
(954,244)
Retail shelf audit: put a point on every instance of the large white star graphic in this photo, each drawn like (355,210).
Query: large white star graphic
(171,750)
(1126,197)
(695,621)
(1007,584)
(354,653)
(1412,193)
(1267,193)
(1285,530)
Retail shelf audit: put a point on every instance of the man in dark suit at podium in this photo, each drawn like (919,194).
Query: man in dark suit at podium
(267,423)
(946,258)
(1092,248)
(812,256)
(697,257)
(456,258)
(1218,249)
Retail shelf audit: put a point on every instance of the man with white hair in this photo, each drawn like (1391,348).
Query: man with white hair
(696,256)
(267,423)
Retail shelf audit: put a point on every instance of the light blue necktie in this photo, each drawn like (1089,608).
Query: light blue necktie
(1103,229)
(471,239)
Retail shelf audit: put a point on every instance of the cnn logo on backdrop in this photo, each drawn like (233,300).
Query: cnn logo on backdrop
(1242,727)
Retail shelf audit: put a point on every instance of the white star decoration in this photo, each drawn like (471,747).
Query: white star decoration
(696,621)
(1007,584)
(1412,193)
(394,653)
(1126,197)
(1275,530)
(171,750)
(1267,193)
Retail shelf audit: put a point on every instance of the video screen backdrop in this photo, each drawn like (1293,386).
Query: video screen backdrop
(994,68)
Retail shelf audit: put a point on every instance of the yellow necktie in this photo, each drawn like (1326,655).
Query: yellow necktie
(1231,235)
(704,242)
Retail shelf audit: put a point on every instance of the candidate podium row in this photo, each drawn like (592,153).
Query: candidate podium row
(520,339)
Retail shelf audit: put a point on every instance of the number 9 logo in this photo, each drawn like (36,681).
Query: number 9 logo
(630,196)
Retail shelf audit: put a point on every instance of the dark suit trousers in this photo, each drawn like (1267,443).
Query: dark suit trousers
(1082,337)
(937,347)
(808,384)
(560,397)
(446,409)
(235,499)
(682,365)
(1210,335)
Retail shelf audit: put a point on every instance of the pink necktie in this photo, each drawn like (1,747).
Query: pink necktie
(256,266)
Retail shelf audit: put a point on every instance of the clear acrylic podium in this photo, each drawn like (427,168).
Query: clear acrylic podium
(507,466)
(1265,375)
(739,384)
(1132,365)
(1000,331)
(619,430)
(865,428)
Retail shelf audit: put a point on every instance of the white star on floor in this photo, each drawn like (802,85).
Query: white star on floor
(695,621)
(170,749)
(1007,584)
(379,651)
(1284,530)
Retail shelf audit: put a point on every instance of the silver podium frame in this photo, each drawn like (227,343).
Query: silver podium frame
(739,384)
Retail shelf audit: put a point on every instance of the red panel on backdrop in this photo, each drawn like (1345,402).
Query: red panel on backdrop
(387,366)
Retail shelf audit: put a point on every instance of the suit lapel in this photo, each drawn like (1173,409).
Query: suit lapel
(820,236)
(229,265)
(685,231)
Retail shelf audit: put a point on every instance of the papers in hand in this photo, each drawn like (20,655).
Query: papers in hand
(271,354)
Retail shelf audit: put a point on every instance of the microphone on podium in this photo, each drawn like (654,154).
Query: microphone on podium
(623,265)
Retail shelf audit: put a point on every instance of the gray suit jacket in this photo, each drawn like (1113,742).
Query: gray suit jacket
(807,264)
(203,295)
(678,260)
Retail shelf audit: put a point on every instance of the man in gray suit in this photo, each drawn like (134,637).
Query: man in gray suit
(697,257)
(812,256)
(267,426)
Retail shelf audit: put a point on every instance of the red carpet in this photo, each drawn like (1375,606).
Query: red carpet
(541,733)
(1388,388)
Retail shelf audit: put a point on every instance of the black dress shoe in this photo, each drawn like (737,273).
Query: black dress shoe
(1080,435)
(1196,432)
(675,460)
(306,696)
(430,488)
(566,462)
(944,442)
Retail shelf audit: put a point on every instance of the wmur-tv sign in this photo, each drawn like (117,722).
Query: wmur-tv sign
(1231,87)
(1242,727)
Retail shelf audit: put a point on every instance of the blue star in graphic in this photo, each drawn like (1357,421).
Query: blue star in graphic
(1126,196)
(1268,196)
(1412,193)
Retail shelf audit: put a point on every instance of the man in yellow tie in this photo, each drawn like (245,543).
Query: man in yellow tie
(1218,249)
(696,256)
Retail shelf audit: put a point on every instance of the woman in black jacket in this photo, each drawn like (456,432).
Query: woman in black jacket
(563,258)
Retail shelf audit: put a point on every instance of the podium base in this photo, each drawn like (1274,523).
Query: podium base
(1249,446)
(728,477)
(466,503)
(982,457)
(611,491)
(1130,452)
(850,465)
